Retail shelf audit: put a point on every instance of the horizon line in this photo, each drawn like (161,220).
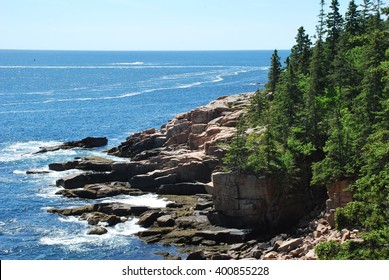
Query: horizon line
(104,50)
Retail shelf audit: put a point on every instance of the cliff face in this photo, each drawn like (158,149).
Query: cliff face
(265,204)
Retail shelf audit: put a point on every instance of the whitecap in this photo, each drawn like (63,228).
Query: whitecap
(218,79)
(129,63)
(190,85)
(150,200)
(23,150)
(127,228)
(50,92)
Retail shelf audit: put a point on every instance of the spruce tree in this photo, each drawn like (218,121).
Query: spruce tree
(334,24)
(352,19)
(274,73)
(301,52)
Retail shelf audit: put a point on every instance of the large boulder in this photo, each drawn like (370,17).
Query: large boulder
(263,203)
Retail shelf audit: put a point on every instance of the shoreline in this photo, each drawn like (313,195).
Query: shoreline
(177,162)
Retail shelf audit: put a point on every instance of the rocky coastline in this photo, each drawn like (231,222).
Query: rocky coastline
(211,214)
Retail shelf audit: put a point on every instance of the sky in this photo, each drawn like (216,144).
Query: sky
(155,24)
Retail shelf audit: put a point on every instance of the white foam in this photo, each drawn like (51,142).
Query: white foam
(190,85)
(79,240)
(218,79)
(127,228)
(50,92)
(150,200)
(23,150)
(128,63)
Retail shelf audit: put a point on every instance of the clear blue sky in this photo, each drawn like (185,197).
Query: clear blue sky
(155,24)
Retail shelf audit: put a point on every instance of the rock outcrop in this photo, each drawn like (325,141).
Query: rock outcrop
(261,203)
(86,143)
(177,159)
(338,196)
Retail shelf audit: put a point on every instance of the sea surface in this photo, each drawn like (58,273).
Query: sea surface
(48,97)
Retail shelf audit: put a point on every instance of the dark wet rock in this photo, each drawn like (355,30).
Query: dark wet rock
(183,189)
(143,182)
(228,236)
(174,205)
(199,255)
(32,171)
(97,231)
(80,180)
(148,218)
(155,231)
(165,221)
(94,218)
(222,257)
(87,143)
(114,208)
(93,163)
(101,190)
(204,205)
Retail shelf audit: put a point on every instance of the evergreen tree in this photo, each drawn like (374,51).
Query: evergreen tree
(352,19)
(274,73)
(334,25)
(301,52)
(327,118)
(320,28)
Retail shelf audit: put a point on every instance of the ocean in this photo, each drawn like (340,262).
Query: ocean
(48,97)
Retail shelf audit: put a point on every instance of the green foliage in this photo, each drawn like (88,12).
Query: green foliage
(374,246)
(325,116)
(351,215)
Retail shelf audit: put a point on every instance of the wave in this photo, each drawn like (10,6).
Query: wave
(21,151)
(128,63)
(50,92)
(80,241)
(150,200)
(214,76)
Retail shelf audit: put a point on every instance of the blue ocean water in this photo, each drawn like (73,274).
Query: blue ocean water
(47,97)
